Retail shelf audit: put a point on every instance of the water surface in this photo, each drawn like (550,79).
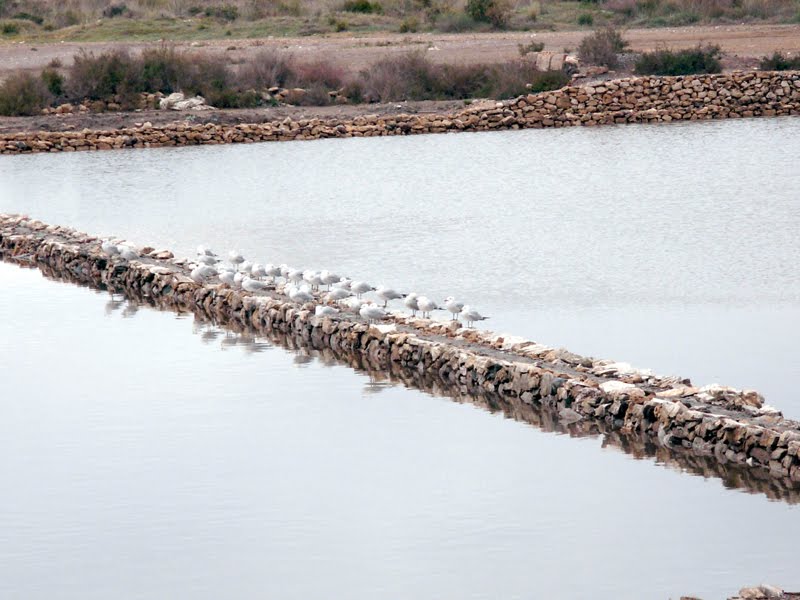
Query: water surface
(145,456)
(671,247)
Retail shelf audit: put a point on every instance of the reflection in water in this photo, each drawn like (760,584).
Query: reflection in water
(380,377)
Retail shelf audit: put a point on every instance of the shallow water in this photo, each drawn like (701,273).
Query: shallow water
(145,455)
(151,456)
(671,247)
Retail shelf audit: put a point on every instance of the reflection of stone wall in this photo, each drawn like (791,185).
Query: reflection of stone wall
(631,100)
(531,381)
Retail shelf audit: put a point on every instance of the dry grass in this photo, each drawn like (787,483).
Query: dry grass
(90,20)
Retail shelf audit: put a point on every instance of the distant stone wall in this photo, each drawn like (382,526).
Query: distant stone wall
(727,425)
(631,100)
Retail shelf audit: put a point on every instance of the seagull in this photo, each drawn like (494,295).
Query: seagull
(272,271)
(360,287)
(411,303)
(295,275)
(258,270)
(246,267)
(203,251)
(470,315)
(354,304)
(207,259)
(387,294)
(329,278)
(453,306)
(325,311)
(300,295)
(337,294)
(343,284)
(237,279)
(127,252)
(372,313)
(426,305)
(202,272)
(312,278)
(227,277)
(252,285)
(109,248)
(235,258)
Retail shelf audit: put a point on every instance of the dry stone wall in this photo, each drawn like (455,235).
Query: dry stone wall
(631,100)
(726,425)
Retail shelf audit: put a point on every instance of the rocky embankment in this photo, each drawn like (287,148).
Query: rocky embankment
(631,100)
(724,425)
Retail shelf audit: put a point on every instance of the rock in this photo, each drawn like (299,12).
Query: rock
(170,101)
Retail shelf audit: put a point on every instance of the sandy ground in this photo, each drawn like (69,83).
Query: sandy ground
(739,41)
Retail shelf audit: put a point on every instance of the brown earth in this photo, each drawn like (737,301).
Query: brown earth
(740,42)
(743,44)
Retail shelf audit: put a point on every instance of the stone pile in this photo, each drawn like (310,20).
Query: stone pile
(727,425)
(630,100)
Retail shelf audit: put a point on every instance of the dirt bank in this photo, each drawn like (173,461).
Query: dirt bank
(743,44)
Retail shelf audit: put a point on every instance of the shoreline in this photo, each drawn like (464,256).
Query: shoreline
(629,100)
(739,438)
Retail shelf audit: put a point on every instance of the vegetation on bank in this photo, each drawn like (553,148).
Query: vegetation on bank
(120,78)
(89,20)
(701,59)
(779,62)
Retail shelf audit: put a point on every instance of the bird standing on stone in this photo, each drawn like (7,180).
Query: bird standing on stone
(372,313)
(387,294)
(360,287)
(411,303)
(453,306)
(235,258)
(426,305)
(470,315)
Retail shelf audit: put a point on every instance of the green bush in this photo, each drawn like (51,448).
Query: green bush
(495,12)
(100,77)
(226,12)
(602,47)
(585,19)
(54,81)
(409,25)
(778,62)
(701,59)
(457,23)
(115,10)
(9,29)
(26,16)
(529,48)
(23,94)
(362,6)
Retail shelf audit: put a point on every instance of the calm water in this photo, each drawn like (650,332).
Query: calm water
(148,457)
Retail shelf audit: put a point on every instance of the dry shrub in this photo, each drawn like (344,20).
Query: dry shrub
(23,94)
(318,72)
(602,47)
(114,74)
(269,68)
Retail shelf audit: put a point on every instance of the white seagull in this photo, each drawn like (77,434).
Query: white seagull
(387,294)
(202,272)
(470,315)
(329,278)
(426,305)
(226,277)
(235,258)
(372,313)
(252,285)
(300,295)
(411,303)
(453,306)
(337,294)
(325,311)
(109,248)
(360,287)
(258,270)
(127,252)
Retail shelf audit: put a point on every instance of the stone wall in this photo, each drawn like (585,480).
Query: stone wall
(631,100)
(729,426)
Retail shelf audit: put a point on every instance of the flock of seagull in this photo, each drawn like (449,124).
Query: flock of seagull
(301,285)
